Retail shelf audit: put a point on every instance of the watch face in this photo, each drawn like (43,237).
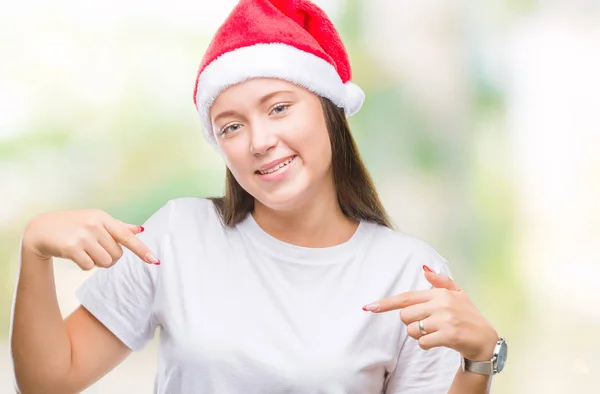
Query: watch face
(502,354)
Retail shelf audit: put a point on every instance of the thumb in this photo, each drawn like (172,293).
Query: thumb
(440,281)
(134,228)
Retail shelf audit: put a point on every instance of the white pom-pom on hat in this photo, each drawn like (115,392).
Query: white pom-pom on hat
(355,97)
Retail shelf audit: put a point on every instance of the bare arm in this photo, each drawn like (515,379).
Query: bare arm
(95,350)
(469,382)
(51,355)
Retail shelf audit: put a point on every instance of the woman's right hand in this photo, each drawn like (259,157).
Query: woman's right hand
(88,237)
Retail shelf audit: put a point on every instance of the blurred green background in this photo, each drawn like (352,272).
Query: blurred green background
(481,130)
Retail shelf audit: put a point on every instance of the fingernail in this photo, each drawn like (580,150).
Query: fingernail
(141,229)
(371,307)
(152,259)
(427,269)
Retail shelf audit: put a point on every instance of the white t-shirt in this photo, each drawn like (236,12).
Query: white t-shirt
(242,312)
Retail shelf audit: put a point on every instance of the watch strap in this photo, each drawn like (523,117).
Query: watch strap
(479,367)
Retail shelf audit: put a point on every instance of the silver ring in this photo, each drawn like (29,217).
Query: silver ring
(421,328)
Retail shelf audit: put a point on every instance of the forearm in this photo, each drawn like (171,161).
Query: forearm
(40,345)
(469,382)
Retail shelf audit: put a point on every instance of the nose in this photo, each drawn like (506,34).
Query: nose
(263,140)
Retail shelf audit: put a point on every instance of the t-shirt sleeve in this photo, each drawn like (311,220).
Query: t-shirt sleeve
(122,297)
(424,371)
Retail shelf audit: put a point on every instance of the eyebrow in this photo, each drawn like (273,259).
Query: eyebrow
(267,97)
(261,101)
(224,115)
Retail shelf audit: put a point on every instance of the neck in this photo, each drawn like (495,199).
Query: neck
(317,224)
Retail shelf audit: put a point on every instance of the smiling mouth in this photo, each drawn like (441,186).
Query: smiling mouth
(277,167)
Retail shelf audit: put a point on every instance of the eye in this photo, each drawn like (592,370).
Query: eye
(279,109)
(230,129)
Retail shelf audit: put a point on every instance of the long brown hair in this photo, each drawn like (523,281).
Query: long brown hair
(356,192)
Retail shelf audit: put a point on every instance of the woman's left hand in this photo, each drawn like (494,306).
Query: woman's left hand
(448,317)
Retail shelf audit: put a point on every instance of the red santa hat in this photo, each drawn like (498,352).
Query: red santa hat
(293,40)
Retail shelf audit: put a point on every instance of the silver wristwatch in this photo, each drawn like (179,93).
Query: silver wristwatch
(492,367)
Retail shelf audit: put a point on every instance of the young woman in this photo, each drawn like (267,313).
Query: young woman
(261,291)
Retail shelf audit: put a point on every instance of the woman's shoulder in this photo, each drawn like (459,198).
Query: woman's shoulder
(394,238)
(396,243)
(197,205)
(184,211)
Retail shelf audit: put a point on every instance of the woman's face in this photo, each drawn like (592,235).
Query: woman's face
(274,140)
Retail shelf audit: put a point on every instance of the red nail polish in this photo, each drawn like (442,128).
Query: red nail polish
(427,269)
(141,229)
(372,307)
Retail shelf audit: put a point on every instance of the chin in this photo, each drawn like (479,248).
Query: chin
(287,196)
(286,199)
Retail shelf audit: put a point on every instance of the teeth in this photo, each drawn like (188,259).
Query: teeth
(278,166)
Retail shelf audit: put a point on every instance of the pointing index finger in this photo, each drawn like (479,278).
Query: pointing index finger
(399,301)
(123,235)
